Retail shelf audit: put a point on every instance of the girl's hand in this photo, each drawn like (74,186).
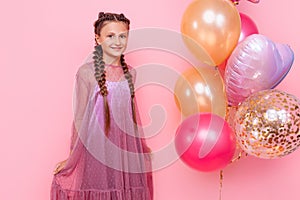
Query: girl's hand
(60,166)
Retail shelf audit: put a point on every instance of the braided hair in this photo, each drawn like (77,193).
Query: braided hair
(100,73)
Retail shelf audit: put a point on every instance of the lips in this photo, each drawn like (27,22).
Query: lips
(117,48)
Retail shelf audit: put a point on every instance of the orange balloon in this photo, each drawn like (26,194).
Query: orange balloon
(211,29)
(200,89)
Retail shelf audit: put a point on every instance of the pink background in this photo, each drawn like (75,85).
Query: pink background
(43,43)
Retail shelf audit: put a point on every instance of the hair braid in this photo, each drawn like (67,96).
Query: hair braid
(128,76)
(100,77)
(103,19)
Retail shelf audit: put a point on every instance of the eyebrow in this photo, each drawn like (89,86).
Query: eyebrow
(115,33)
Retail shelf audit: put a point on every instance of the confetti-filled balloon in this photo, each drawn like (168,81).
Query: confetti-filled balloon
(267,124)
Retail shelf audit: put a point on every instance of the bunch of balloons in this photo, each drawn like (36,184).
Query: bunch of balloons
(245,67)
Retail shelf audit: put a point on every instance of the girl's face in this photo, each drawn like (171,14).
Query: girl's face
(113,39)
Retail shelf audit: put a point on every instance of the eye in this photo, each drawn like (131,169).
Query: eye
(123,36)
(110,36)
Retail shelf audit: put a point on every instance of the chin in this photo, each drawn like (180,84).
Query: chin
(117,54)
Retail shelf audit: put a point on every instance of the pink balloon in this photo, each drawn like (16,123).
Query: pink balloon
(256,64)
(252,1)
(248,27)
(204,141)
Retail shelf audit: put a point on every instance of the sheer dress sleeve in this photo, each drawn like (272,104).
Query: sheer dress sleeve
(80,101)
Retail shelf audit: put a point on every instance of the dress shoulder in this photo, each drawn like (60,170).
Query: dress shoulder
(132,72)
(84,69)
(85,72)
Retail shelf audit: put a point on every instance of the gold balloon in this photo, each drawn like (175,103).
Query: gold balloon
(200,89)
(211,29)
(267,124)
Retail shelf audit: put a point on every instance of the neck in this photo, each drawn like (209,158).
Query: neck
(112,60)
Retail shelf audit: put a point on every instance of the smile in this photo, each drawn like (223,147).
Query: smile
(117,48)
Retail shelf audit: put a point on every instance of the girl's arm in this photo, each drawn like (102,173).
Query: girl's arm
(80,100)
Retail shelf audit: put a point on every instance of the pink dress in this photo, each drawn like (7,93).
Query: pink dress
(100,167)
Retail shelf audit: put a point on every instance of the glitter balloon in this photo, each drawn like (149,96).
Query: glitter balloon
(267,124)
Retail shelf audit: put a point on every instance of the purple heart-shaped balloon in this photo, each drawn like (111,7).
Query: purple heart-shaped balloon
(257,63)
(285,60)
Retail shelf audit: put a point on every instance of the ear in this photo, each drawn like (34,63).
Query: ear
(97,38)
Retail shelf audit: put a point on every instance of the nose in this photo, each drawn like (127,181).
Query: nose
(117,41)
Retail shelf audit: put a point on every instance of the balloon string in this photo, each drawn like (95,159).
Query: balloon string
(221,184)
(238,157)
(221,172)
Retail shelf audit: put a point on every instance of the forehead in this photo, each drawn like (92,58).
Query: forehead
(115,27)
